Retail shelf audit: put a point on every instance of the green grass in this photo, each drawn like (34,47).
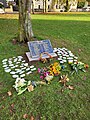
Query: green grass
(47,102)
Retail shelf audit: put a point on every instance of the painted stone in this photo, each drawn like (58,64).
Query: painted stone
(27,69)
(15,60)
(12,72)
(26,64)
(61,62)
(16,65)
(70,61)
(7,70)
(23,68)
(21,72)
(75,57)
(64,60)
(20,57)
(59,58)
(23,75)
(31,66)
(28,72)
(4,60)
(33,69)
(15,76)
(5,65)
(70,58)
(11,65)
(23,61)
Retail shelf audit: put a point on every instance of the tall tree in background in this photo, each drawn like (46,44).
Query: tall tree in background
(26,33)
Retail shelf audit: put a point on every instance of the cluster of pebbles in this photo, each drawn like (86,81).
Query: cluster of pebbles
(65,55)
(17,67)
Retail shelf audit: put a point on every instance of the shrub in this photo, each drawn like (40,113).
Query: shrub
(1,5)
(80,4)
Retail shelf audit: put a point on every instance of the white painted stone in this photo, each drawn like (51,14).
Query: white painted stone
(4,60)
(32,66)
(71,55)
(70,58)
(10,59)
(75,57)
(59,58)
(10,62)
(12,73)
(7,70)
(61,62)
(16,65)
(59,54)
(15,76)
(70,61)
(55,50)
(27,69)
(23,61)
(23,68)
(75,60)
(28,72)
(64,60)
(26,64)
(17,62)
(21,72)
(20,57)
(11,65)
(23,75)
(33,69)
(5,65)
(18,71)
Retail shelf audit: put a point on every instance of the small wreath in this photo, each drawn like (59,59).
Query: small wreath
(44,60)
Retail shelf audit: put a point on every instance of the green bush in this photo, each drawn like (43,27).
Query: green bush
(80,4)
(1,5)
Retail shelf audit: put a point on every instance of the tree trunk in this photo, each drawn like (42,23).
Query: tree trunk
(26,33)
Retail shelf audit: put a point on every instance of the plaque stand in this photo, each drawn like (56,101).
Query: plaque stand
(37,58)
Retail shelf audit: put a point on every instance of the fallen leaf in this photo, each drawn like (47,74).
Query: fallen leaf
(30,88)
(25,116)
(11,112)
(70,87)
(9,93)
(79,50)
(31,118)
(12,105)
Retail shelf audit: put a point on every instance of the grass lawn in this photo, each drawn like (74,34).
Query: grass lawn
(70,30)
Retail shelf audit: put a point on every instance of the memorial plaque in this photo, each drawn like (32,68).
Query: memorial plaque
(38,47)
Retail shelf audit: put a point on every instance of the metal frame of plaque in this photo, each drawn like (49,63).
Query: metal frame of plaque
(38,47)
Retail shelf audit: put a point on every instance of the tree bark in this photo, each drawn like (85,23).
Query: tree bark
(26,33)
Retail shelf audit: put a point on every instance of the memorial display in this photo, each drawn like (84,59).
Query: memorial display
(36,48)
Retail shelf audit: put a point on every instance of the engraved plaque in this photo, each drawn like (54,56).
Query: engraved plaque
(38,47)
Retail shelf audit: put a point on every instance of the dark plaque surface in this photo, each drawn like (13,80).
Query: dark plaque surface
(38,47)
